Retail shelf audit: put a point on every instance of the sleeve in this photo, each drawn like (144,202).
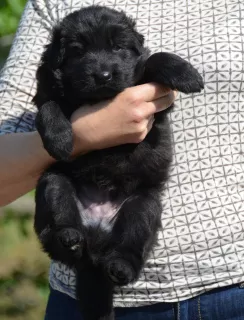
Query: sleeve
(18,76)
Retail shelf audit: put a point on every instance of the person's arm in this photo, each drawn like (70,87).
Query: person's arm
(21,154)
(22,157)
(22,160)
(129,116)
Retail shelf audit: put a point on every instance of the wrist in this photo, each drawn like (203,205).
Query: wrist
(39,152)
(79,145)
(88,128)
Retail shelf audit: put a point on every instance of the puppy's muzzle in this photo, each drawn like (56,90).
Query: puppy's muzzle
(103,76)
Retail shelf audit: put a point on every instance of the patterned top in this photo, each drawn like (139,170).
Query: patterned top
(201,244)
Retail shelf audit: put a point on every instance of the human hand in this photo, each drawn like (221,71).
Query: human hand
(125,119)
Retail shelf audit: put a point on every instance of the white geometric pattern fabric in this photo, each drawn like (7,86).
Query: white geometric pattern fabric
(201,244)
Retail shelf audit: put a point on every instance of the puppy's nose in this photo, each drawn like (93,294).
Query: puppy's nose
(103,76)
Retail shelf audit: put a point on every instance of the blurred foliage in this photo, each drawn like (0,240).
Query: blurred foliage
(23,268)
(10,12)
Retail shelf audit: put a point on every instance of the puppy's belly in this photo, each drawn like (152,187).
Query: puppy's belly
(96,208)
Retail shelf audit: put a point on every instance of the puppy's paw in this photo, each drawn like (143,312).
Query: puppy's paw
(71,239)
(59,146)
(174,72)
(55,130)
(65,245)
(121,272)
(189,81)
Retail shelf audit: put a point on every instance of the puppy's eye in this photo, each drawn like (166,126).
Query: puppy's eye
(75,49)
(116,48)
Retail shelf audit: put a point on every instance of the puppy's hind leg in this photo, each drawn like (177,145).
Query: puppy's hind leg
(57,220)
(133,236)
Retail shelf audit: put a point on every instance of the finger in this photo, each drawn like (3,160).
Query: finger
(150,123)
(150,119)
(158,105)
(150,91)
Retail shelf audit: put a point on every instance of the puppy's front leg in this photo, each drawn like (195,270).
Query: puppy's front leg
(172,71)
(55,130)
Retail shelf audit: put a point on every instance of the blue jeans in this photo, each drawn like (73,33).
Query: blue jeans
(219,304)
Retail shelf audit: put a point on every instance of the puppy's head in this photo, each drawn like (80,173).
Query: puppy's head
(96,53)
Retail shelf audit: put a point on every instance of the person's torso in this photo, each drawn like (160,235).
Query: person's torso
(200,245)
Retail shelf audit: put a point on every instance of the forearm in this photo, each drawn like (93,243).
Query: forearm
(23,157)
(22,160)
(9,193)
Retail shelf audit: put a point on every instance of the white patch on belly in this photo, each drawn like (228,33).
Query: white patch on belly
(96,209)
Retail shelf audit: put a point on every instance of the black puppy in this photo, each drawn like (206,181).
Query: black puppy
(100,212)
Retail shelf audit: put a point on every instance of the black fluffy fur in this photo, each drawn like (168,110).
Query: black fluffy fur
(84,45)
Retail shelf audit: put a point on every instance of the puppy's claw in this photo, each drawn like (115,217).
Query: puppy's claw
(75,247)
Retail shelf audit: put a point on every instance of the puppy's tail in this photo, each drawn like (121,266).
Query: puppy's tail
(95,292)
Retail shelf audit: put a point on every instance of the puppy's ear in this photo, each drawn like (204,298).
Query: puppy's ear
(138,38)
(138,42)
(140,66)
(56,50)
